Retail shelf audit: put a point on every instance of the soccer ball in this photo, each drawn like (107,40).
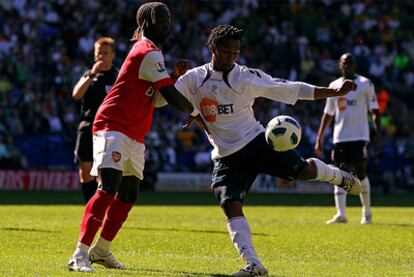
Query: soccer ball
(283,133)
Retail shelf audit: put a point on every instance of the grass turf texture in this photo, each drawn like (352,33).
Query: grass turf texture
(184,234)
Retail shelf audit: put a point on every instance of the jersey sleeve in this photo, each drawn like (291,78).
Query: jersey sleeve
(329,106)
(153,69)
(86,73)
(372,97)
(183,85)
(260,84)
(330,101)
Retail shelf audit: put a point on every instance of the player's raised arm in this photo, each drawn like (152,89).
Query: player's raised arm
(262,84)
(322,92)
(86,80)
(177,100)
(172,95)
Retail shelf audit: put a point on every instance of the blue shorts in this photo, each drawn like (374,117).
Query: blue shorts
(234,175)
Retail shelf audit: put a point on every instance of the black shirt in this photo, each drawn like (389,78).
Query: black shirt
(95,94)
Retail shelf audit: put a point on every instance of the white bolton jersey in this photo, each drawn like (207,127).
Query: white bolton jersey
(225,102)
(351,110)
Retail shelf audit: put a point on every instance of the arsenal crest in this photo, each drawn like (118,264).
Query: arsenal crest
(116,156)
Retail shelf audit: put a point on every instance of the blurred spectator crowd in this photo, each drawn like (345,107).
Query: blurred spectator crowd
(45,46)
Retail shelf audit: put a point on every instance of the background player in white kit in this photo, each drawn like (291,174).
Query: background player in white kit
(351,133)
(224,93)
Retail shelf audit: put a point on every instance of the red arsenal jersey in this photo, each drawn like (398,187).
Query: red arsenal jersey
(127,108)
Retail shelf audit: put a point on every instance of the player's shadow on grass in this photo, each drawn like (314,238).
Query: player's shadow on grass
(188,230)
(394,224)
(27,230)
(156,272)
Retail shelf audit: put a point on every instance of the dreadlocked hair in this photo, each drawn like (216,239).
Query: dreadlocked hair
(221,32)
(146,14)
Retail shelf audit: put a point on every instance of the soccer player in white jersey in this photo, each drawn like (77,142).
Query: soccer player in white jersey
(351,134)
(224,91)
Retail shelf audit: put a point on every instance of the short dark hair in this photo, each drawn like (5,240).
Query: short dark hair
(145,16)
(221,32)
(106,41)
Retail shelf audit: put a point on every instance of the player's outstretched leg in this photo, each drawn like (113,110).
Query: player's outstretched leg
(336,176)
(349,183)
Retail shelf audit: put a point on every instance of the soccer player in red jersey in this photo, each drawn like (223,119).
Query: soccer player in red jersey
(121,123)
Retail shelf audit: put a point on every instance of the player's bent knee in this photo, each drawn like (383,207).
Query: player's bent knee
(220,194)
(309,172)
(110,180)
(230,202)
(128,190)
(232,208)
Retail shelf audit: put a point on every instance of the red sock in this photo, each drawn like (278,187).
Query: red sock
(93,216)
(116,215)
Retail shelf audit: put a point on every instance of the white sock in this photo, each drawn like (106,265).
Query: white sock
(327,173)
(80,247)
(365,197)
(241,237)
(340,201)
(102,245)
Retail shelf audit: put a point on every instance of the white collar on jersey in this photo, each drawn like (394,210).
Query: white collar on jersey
(210,67)
(214,74)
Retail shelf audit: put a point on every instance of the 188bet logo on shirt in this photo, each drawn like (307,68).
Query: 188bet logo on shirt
(210,108)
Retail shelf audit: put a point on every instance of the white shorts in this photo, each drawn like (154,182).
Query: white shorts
(112,149)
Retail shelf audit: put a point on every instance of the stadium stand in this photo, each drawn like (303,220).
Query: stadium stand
(46,45)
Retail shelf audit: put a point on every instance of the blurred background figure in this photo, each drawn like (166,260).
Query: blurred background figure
(351,134)
(91,89)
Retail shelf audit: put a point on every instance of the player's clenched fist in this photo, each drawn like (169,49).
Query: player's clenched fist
(180,68)
(347,86)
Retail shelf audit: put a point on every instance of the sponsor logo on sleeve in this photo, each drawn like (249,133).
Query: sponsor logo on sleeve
(160,67)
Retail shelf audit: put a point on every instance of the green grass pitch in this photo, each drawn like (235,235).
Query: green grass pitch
(184,234)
